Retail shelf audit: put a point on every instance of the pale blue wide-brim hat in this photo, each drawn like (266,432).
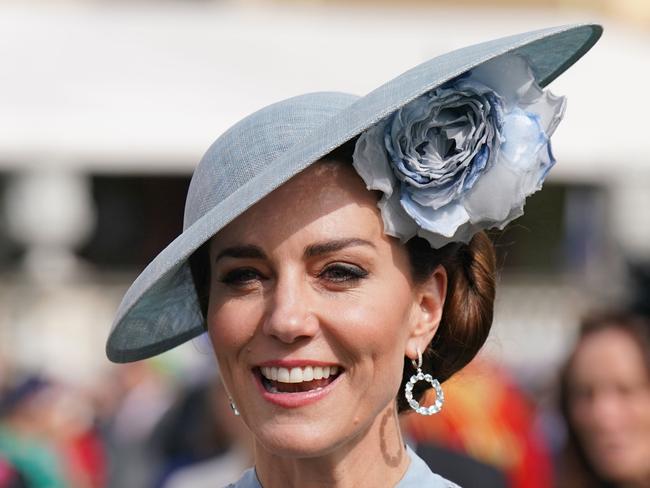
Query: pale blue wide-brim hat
(258,154)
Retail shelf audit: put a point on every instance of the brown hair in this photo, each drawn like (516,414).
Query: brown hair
(469,304)
(468,309)
(576,470)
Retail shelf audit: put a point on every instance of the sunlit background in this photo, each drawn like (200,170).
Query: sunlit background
(106,107)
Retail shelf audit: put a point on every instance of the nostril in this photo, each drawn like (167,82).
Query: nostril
(290,327)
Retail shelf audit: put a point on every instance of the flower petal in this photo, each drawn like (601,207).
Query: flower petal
(523,139)
(549,108)
(521,89)
(519,84)
(464,233)
(370,160)
(397,222)
(444,221)
(500,190)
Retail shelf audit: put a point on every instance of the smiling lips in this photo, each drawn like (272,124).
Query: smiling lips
(297,379)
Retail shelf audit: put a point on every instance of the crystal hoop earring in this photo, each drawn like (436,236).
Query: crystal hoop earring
(420,376)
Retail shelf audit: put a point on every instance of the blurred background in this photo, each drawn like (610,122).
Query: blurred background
(106,107)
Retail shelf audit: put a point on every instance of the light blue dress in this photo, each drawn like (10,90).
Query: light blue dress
(418,475)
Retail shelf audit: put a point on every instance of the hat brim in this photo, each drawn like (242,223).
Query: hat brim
(161,310)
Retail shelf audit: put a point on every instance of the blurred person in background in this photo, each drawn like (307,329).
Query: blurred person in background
(10,477)
(47,435)
(130,401)
(605,400)
(201,444)
(24,434)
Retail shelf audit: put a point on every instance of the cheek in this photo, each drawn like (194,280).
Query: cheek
(640,411)
(584,414)
(374,328)
(585,420)
(231,325)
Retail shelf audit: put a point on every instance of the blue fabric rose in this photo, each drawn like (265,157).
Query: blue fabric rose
(464,156)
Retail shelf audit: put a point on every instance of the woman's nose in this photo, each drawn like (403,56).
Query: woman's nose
(289,317)
(608,409)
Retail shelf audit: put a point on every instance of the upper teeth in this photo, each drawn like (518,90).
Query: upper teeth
(298,375)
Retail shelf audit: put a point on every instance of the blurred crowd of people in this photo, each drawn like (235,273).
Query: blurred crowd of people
(142,425)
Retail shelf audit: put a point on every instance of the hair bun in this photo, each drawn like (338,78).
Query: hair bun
(469,304)
(469,307)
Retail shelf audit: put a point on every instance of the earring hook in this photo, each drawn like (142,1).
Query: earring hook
(417,365)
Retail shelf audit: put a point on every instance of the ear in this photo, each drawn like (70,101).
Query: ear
(430,300)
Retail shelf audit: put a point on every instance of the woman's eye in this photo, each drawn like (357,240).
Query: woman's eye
(341,273)
(241,276)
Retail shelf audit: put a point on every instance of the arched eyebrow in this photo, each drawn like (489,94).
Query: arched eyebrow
(250,251)
(245,251)
(328,247)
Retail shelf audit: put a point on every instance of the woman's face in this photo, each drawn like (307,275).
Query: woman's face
(312,310)
(610,404)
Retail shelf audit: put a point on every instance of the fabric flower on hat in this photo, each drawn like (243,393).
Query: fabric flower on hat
(463,157)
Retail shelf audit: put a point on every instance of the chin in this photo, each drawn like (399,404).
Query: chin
(298,441)
(621,469)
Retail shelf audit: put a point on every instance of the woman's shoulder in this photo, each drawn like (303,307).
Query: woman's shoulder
(247,480)
(419,474)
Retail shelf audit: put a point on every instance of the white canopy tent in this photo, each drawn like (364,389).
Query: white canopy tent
(147,88)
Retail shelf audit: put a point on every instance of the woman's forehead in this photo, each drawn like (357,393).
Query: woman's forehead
(609,351)
(327,200)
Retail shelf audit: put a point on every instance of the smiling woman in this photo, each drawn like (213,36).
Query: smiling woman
(605,400)
(333,248)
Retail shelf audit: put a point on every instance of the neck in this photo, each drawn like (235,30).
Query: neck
(375,457)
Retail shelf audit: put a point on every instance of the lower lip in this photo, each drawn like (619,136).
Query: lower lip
(297,399)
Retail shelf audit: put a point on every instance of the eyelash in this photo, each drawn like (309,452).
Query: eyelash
(335,273)
(346,273)
(241,276)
